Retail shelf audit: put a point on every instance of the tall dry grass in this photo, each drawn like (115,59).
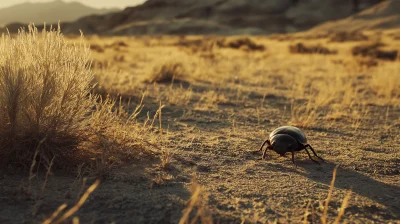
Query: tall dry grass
(167,72)
(55,217)
(385,83)
(44,95)
(310,216)
(47,110)
(197,210)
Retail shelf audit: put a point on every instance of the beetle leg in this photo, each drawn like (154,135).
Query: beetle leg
(293,158)
(266,141)
(315,161)
(315,154)
(265,153)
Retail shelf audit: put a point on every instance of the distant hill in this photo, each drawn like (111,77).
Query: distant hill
(49,12)
(220,17)
(385,15)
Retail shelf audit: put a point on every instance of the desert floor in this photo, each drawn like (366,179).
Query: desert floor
(216,111)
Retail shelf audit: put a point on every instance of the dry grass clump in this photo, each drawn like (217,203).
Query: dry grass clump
(243,43)
(368,63)
(97,48)
(100,64)
(44,96)
(309,217)
(117,44)
(115,136)
(210,101)
(303,115)
(209,43)
(374,50)
(348,36)
(197,208)
(56,217)
(114,84)
(385,82)
(167,72)
(179,96)
(119,58)
(200,45)
(301,48)
(47,110)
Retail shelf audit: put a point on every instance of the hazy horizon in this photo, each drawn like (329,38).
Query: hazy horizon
(92,3)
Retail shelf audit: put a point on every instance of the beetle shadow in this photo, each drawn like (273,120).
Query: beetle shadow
(385,194)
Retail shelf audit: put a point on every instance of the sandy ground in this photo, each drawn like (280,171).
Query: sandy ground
(214,139)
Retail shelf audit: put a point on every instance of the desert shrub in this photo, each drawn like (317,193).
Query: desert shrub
(394,35)
(374,50)
(243,43)
(117,44)
(197,209)
(44,96)
(97,48)
(303,115)
(167,72)
(202,45)
(385,82)
(209,43)
(348,36)
(119,58)
(97,64)
(301,48)
(368,63)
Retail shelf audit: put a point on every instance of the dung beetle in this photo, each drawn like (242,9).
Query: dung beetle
(288,139)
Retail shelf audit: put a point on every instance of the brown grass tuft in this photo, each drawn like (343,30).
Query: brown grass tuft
(48,112)
(243,43)
(74,209)
(167,72)
(303,115)
(97,48)
(301,48)
(325,207)
(44,96)
(374,50)
(197,208)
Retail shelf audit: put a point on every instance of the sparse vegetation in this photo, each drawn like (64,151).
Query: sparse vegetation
(44,97)
(243,43)
(303,115)
(167,73)
(48,111)
(117,44)
(348,36)
(97,48)
(301,48)
(197,208)
(54,218)
(374,50)
(203,116)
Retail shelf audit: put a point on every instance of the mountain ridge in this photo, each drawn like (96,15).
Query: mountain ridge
(48,12)
(385,15)
(219,17)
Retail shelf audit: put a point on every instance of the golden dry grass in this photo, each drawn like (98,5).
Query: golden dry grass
(50,113)
(208,123)
(44,96)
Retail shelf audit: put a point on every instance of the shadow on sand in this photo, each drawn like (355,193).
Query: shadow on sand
(385,194)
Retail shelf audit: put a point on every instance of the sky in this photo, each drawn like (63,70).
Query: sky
(93,3)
